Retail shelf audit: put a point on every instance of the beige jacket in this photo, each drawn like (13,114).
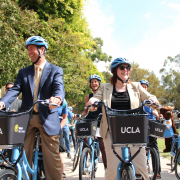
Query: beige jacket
(137,95)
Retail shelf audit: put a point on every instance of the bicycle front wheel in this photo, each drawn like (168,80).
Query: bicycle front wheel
(9,174)
(86,166)
(76,157)
(177,164)
(152,162)
(127,173)
(172,163)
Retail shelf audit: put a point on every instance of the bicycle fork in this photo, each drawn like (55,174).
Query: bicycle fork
(126,160)
(90,168)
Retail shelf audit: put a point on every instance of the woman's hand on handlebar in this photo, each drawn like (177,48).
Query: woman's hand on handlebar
(90,103)
(153,103)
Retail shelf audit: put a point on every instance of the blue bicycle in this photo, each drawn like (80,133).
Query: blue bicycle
(19,167)
(90,155)
(175,154)
(121,121)
(78,148)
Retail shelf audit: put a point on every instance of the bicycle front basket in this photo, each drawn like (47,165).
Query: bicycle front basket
(128,126)
(86,127)
(156,129)
(13,127)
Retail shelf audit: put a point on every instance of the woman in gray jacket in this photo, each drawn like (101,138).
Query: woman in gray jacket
(122,95)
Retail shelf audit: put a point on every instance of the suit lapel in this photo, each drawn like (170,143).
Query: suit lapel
(31,78)
(45,74)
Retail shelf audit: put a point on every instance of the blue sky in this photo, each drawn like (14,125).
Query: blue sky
(143,31)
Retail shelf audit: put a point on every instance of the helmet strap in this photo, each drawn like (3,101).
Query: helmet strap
(39,55)
(95,90)
(122,80)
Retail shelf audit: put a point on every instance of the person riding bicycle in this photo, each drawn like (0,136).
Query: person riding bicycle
(121,94)
(16,104)
(153,115)
(72,121)
(63,113)
(41,80)
(95,81)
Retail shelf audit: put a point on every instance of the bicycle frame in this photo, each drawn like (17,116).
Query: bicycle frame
(23,166)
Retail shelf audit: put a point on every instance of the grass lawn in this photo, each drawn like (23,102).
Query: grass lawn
(161,146)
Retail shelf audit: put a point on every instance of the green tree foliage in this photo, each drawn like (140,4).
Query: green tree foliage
(96,54)
(171,81)
(69,12)
(65,49)
(155,88)
(52,8)
(107,75)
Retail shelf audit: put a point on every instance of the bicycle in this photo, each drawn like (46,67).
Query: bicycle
(174,149)
(156,129)
(90,154)
(175,154)
(19,167)
(123,118)
(78,149)
(152,161)
(177,164)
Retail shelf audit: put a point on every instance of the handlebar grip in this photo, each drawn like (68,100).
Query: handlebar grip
(47,103)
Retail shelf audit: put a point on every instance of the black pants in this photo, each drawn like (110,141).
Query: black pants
(73,136)
(62,148)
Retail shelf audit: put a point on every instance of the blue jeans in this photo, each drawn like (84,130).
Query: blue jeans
(66,138)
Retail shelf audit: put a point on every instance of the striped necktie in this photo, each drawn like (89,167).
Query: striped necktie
(36,87)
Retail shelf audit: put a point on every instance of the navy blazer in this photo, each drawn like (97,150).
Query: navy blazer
(51,84)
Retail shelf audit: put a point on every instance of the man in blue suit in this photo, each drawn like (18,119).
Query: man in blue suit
(50,86)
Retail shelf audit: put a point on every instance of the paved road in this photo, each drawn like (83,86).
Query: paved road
(166,172)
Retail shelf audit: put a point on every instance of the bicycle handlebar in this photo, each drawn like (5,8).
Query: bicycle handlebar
(45,102)
(150,103)
(145,103)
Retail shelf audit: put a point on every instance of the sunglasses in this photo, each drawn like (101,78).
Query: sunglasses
(123,68)
(8,88)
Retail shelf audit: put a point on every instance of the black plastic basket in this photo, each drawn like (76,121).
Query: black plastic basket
(86,127)
(156,129)
(128,126)
(13,126)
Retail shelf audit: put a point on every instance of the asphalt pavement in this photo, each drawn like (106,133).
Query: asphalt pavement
(166,173)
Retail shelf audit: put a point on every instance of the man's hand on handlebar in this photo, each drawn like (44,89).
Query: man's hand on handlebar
(54,100)
(1,105)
